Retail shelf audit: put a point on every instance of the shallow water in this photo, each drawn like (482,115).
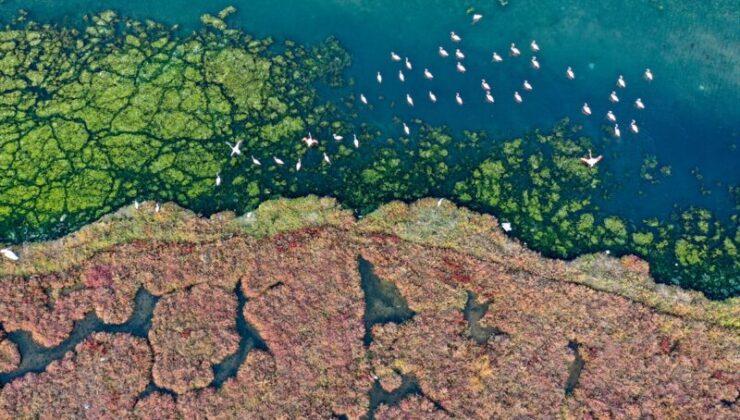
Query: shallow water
(35,358)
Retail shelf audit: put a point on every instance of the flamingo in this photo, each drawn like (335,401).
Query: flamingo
(514,51)
(535,63)
(613,97)
(409,100)
(298,166)
(648,75)
(534,46)
(428,74)
(136,204)
(484,85)
(586,110)
(363,99)
(621,83)
(337,137)
(408,64)
(326,159)
(496,58)
(460,67)
(256,161)
(506,226)
(355,141)
(310,142)
(518,97)
(590,160)
(432,97)
(570,74)
(279,161)
(406,129)
(611,117)
(633,126)
(218,180)
(401,77)
(477,17)
(157,208)
(459,55)
(455,37)
(395,57)
(443,53)
(379,78)
(639,104)
(527,86)
(7,253)
(235,148)
(458,99)
(489,97)
(617,131)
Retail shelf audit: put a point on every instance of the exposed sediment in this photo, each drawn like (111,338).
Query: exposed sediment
(488,334)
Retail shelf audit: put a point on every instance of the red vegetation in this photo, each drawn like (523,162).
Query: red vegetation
(100,379)
(191,330)
(413,407)
(9,356)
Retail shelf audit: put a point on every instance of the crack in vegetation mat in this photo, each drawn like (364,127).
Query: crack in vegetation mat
(465,322)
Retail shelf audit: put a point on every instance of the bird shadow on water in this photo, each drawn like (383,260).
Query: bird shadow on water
(35,358)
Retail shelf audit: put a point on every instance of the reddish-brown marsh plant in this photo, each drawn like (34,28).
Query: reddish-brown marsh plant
(192,330)
(100,379)
(9,356)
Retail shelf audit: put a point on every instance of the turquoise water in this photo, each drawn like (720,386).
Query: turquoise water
(690,124)
(691,120)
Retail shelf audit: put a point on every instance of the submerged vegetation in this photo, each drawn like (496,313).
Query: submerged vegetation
(92,119)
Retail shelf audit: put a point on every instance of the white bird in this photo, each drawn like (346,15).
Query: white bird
(439,202)
(484,85)
(518,97)
(458,99)
(569,74)
(432,97)
(443,53)
(533,45)
(633,126)
(459,54)
(613,97)
(535,63)
(379,77)
(310,142)
(586,110)
(428,74)
(278,161)
(256,161)
(496,58)
(337,137)
(136,204)
(355,141)
(455,37)
(477,17)
(408,64)
(218,180)
(621,83)
(506,226)
(617,131)
(363,99)
(526,86)
(298,165)
(648,75)
(235,148)
(611,117)
(395,57)
(489,97)
(460,67)
(157,208)
(409,100)
(401,77)
(514,51)
(7,253)
(326,159)
(406,129)
(590,160)
(639,104)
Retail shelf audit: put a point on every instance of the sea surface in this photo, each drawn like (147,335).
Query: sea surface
(692,118)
